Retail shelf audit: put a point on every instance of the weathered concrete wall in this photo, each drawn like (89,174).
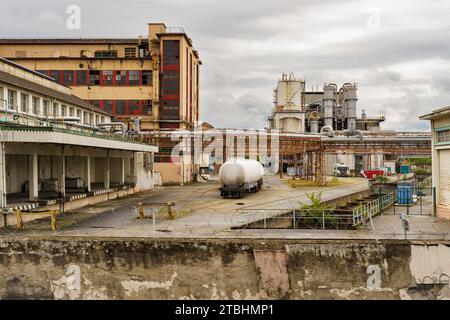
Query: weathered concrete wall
(72,268)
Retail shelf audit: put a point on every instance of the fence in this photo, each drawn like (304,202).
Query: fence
(328,218)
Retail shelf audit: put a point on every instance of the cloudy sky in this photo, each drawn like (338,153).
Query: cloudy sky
(397,51)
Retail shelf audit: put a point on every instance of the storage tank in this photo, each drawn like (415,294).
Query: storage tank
(350,98)
(329,101)
(239,176)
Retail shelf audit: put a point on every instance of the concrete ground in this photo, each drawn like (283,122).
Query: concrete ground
(200,212)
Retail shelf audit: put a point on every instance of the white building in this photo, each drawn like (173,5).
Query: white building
(440,127)
(55,144)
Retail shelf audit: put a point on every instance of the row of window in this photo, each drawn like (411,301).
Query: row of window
(23,102)
(443,136)
(125,107)
(101,77)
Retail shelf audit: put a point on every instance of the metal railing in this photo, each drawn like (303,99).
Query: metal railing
(366,211)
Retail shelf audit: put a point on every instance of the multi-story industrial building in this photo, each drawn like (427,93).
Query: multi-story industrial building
(151,80)
(440,129)
(54,144)
(297,110)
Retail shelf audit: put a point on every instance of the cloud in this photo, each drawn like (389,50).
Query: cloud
(398,52)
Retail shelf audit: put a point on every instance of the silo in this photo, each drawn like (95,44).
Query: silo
(350,98)
(329,101)
(314,126)
(288,94)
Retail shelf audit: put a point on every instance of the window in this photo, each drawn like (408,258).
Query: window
(107,77)
(12,99)
(71,111)
(147,107)
(45,106)
(81,77)
(95,103)
(134,78)
(121,107)
(63,110)
(108,106)
(121,78)
(147,78)
(79,114)
(36,105)
(102,119)
(170,82)
(68,77)
(23,102)
(171,52)
(97,118)
(94,77)
(133,107)
(106,54)
(130,52)
(55,74)
(86,117)
(443,136)
(55,109)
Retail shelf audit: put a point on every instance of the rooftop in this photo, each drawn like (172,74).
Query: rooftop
(437,113)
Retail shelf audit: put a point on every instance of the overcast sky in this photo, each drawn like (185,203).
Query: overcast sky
(398,52)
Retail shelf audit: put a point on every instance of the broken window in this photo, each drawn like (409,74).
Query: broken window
(107,77)
(121,78)
(94,77)
(147,77)
(134,78)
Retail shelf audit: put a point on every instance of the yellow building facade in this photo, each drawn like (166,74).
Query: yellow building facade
(151,83)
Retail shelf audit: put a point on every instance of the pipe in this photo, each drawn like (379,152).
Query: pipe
(113,124)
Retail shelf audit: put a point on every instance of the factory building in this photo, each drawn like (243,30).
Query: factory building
(55,145)
(440,129)
(150,83)
(297,110)
(356,142)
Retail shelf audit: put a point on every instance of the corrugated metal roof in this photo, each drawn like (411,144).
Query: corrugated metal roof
(49,92)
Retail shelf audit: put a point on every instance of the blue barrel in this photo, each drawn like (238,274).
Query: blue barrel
(404,194)
(404,169)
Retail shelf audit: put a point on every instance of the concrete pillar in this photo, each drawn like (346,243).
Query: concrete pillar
(33,177)
(122,170)
(107,175)
(2,175)
(87,174)
(62,174)
(135,168)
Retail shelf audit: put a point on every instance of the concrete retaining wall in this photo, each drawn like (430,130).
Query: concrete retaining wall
(226,269)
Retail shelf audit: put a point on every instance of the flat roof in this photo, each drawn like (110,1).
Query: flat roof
(30,134)
(67,40)
(437,113)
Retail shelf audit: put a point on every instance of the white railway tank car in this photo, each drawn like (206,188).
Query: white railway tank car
(240,176)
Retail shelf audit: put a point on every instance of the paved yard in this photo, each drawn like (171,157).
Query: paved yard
(201,212)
